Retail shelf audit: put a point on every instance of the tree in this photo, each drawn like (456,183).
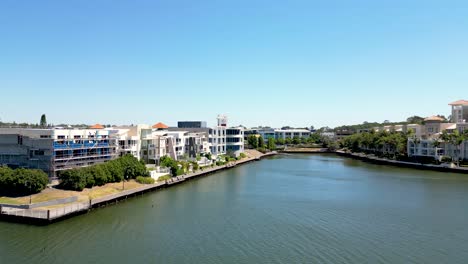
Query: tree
(253,141)
(271,144)
(280,141)
(415,120)
(166,161)
(288,141)
(296,140)
(261,142)
(43,122)
(22,181)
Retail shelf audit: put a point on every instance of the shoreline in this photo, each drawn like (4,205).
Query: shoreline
(28,215)
(404,164)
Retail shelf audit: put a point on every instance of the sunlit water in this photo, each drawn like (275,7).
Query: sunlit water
(287,209)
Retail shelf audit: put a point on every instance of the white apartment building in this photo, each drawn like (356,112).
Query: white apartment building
(291,133)
(217,136)
(235,141)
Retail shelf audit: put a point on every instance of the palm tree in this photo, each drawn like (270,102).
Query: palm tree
(456,139)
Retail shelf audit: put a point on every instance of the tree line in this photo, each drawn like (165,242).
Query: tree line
(123,168)
(384,143)
(20,182)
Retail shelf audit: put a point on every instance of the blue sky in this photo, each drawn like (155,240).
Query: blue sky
(297,63)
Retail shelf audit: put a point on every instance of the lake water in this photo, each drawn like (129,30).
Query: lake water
(286,209)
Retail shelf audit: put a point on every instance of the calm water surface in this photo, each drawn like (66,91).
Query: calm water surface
(287,209)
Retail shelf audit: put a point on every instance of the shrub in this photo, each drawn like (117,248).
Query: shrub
(113,171)
(243,155)
(263,150)
(163,178)
(179,172)
(446,159)
(145,180)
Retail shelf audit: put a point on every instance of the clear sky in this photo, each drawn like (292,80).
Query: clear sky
(297,63)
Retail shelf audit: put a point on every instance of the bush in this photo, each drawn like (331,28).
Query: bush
(195,166)
(163,178)
(243,155)
(126,167)
(22,181)
(220,163)
(145,180)
(262,150)
(446,159)
(179,172)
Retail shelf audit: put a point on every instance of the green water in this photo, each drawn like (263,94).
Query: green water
(287,209)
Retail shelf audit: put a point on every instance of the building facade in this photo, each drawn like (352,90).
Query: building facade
(53,150)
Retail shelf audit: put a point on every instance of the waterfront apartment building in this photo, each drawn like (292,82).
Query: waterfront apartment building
(53,150)
(428,143)
(235,141)
(291,133)
(459,111)
(217,136)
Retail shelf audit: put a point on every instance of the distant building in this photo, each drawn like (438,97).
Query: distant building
(291,133)
(191,124)
(459,111)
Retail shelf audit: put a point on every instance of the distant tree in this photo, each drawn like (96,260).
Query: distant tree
(271,144)
(288,141)
(261,142)
(415,120)
(280,141)
(296,140)
(314,138)
(253,141)
(43,122)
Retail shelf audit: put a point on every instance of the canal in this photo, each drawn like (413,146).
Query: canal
(285,209)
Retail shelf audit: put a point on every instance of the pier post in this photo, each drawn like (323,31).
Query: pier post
(48,214)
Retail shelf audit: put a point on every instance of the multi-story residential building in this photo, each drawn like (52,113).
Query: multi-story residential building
(434,125)
(217,136)
(128,139)
(459,111)
(291,133)
(428,143)
(235,141)
(264,132)
(424,148)
(53,150)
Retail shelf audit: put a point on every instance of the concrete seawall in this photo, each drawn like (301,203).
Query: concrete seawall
(28,214)
(404,164)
